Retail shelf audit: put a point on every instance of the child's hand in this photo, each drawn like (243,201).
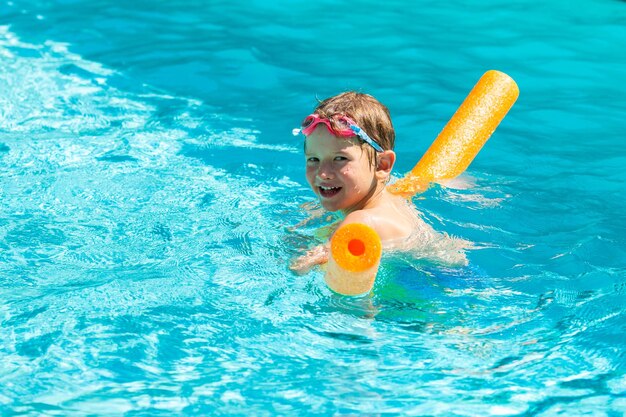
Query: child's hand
(316,256)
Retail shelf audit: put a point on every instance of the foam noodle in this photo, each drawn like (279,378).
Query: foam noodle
(464,135)
(355,250)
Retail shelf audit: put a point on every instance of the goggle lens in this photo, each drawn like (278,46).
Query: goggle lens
(307,121)
(340,124)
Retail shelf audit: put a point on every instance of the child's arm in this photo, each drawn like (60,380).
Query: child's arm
(319,254)
(316,256)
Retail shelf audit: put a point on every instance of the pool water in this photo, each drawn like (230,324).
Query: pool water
(149,182)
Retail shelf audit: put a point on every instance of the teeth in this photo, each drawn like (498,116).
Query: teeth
(328,188)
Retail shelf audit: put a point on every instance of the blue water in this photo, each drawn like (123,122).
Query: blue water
(148,179)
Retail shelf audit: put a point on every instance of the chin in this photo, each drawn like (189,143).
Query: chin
(330,207)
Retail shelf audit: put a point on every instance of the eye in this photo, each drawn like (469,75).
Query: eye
(341,158)
(312,160)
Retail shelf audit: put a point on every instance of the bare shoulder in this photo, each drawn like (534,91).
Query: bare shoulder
(359,216)
(389,226)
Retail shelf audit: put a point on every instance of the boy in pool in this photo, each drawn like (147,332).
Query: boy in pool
(349,141)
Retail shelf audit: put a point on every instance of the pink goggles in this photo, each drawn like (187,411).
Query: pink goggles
(337,125)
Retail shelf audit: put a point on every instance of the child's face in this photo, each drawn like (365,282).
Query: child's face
(339,171)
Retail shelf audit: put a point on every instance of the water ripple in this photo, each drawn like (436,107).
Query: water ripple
(149,205)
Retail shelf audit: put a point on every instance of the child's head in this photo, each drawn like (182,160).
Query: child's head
(368,113)
(348,147)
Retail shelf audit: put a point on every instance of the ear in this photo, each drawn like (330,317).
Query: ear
(384,165)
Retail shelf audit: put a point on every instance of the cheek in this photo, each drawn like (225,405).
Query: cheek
(355,172)
(310,174)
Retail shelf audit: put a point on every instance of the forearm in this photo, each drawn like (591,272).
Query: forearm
(315,256)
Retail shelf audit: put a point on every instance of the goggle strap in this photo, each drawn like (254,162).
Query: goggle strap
(361,133)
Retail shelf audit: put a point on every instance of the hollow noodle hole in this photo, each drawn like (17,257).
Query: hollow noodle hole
(356,247)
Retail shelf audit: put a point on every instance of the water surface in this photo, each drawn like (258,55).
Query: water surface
(148,178)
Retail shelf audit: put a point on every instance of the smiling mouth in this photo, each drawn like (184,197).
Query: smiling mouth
(328,192)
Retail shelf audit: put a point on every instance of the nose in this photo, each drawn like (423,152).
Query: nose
(325,172)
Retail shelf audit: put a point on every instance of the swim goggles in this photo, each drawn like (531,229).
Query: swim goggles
(338,125)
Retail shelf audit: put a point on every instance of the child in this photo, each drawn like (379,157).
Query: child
(348,147)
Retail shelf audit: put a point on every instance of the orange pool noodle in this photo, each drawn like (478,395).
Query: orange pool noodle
(464,135)
(355,251)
